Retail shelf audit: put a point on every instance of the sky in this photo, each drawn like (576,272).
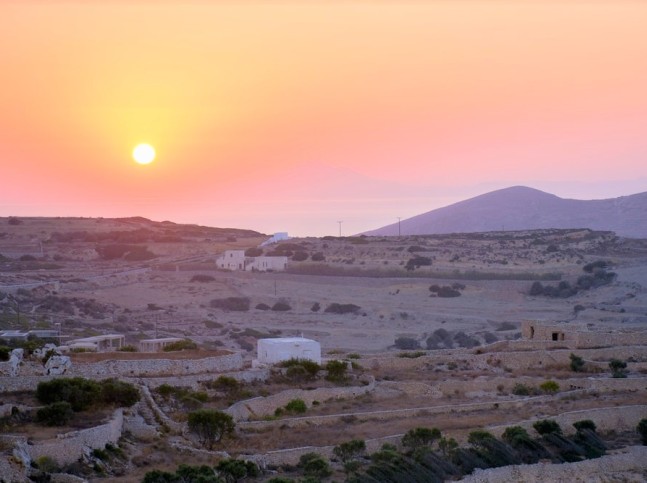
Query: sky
(295,115)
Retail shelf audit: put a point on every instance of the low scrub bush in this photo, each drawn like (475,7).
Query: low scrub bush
(297,406)
(406,343)
(180,345)
(55,414)
(281,306)
(232,304)
(202,278)
(336,308)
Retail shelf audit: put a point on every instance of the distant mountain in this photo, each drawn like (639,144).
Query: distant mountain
(522,208)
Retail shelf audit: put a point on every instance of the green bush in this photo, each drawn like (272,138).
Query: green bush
(407,343)
(577,363)
(55,414)
(336,371)
(418,437)
(296,406)
(547,426)
(202,278)
(350,450)
(5,353)
(520,389)
(311,368)
(618,368)
(79,392)
(225,384)
(180,345)
(236,470)
(549,387)
(119,393)
(281,306)
(314,465)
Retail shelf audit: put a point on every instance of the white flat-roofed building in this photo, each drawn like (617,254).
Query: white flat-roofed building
(236,260)
(103,343)
(272,351)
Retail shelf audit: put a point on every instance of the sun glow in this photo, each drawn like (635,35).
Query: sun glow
(144,154)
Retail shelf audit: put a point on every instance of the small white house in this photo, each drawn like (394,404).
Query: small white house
(271,351)
(277,237)
(231,260)
(236,260)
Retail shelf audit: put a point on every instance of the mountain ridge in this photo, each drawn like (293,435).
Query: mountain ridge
(525,208)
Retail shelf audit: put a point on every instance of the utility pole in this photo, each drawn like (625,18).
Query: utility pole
(399,232)
(340,222)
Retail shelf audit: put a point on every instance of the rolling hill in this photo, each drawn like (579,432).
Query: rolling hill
(523,208)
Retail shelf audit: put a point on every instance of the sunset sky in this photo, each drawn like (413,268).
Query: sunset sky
(292,115)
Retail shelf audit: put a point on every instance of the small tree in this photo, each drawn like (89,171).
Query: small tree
(447,446)
(417,437)
(618,368)
(349,450)
(210,425)
(296,406)
(584,424)
(577,363)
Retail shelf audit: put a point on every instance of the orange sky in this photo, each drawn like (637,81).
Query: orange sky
(290,116)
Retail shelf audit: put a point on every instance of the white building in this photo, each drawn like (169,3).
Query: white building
(271,351)
(236,260)
(277,237)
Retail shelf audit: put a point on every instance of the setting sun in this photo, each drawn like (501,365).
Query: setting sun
(144,154)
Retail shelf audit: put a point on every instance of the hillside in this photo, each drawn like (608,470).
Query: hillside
(522,208)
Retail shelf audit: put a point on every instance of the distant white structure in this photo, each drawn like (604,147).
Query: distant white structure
(271,351)
(277,237)
(236,260)
(99,343)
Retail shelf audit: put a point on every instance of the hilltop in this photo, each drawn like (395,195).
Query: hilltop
(523,208)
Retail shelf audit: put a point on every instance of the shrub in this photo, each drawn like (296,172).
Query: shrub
(262,306)
(210,425)
(314,465)
(598,264)
(127,348)
(417,262)
(336,308)
(520,389)
(547,426)
(406,343)
(14,221)
(55,414)
(180,345)
(225,384)
(236,470)
(642,430)
(618,368)
(296,406)
(336,370)
(318,257)
(585,424)
(446,291)
(549,387)
(577,363)
(119,393)
(300,256)
(316,307)
(254,252)
(349,450)
(281,306)
(311,367)
(202,278)
(80,393)
(233,304)
(417,437)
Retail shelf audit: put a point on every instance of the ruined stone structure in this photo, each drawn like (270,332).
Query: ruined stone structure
(578,336)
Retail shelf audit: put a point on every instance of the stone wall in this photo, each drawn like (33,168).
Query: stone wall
(265,406)
(69,447)
(195,381)
(621,418)
(157,367)
(615,467)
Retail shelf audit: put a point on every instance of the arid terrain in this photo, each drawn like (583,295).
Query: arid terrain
(424,317)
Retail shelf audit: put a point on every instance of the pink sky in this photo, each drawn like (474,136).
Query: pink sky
(290,116)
